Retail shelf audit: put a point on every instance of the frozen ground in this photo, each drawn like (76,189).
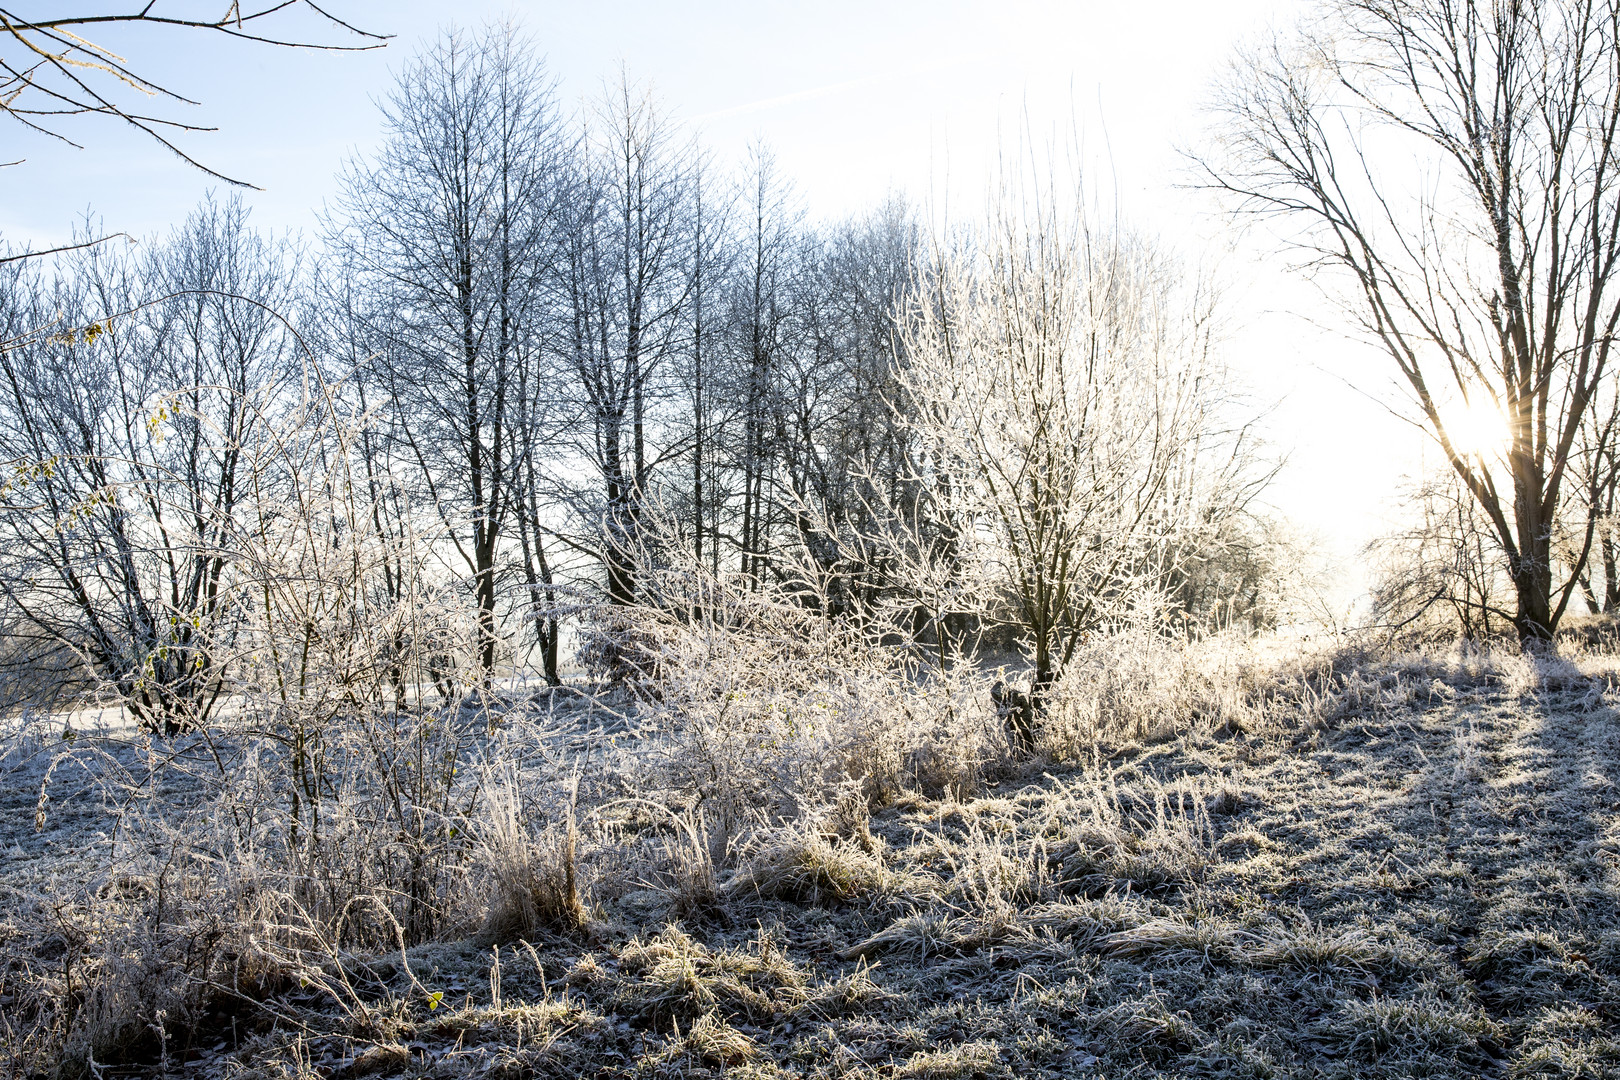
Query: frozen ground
(1425,885)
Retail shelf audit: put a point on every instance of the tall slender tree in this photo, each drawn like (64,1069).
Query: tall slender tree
(453,225)
(628,280)
(764,330)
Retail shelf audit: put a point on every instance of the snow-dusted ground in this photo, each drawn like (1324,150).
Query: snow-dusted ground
(70,781)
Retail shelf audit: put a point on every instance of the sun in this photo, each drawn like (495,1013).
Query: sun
(1477,429)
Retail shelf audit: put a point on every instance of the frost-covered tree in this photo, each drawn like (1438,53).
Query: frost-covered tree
(1449,171)
(452,229)
(132,386)
(1056,381)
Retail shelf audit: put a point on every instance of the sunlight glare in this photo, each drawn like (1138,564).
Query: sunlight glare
(1477,429)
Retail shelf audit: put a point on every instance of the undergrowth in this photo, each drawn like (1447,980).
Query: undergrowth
(1231,858)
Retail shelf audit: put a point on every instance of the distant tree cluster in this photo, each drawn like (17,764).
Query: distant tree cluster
(538,356)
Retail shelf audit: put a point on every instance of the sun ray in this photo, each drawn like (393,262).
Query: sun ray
(1477,430)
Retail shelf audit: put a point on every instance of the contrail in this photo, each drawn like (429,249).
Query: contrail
(785,99)
(823,91)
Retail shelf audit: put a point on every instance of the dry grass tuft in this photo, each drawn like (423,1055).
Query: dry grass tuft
(678,978)
(1145,837)
(1320,951)
(948,932)
(803,865)
(1084,921)
(1413,1037)
(707,1043)
(533,878)
(963,1062)
(927,934)
(1149,1029)
(1176,940)
(382,1058)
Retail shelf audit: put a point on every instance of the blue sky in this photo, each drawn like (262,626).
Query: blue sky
(855,98)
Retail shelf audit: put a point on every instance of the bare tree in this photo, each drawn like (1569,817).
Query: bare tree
(763,324)
(1455,164)
(1443,574)
(842,444)
(1591,498)
(349,331)
(626,286)
(128,423)
(1055,387)
(454,227)
(50,70)
(712,254)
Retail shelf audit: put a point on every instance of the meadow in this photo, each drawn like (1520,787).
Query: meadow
(578,614)
(1263,859)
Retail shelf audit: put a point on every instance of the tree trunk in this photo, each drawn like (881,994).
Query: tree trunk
(1611,577)
(615,541)
(1532,582)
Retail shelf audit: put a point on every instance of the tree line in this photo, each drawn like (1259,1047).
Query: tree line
(537,354)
